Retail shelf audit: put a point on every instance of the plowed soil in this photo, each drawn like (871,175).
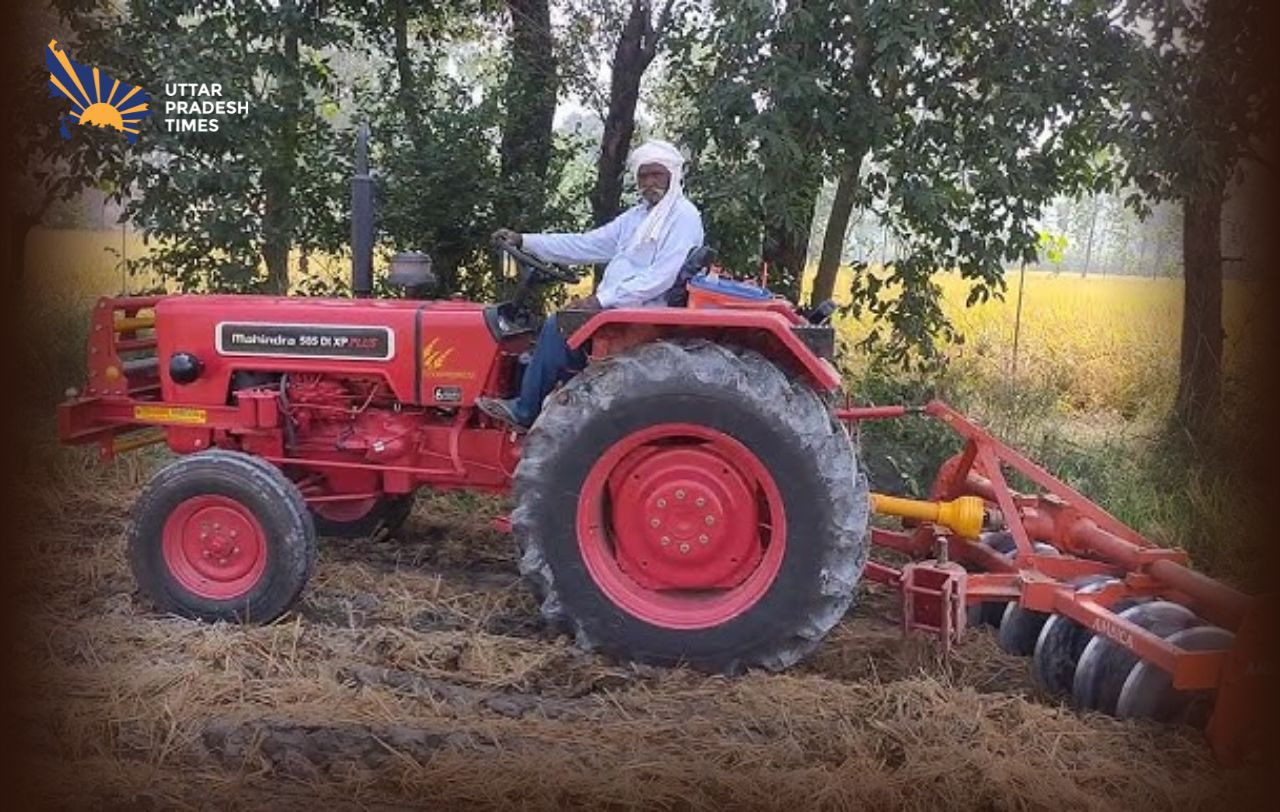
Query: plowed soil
(415,672)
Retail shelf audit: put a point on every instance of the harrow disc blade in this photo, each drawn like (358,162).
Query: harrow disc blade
(1020,629)
(987,613)
(994,613)
(1060,642)
(1148,692)
(1001,541)
(990,613)
(1104,665)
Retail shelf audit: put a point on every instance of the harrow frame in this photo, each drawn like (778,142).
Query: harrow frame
(945,573)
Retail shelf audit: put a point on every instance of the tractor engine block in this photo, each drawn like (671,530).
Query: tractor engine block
(354,419)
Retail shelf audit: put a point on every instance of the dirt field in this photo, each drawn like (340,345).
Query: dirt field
(415,672)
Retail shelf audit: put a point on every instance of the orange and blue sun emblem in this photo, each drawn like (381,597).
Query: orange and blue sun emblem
(123,107)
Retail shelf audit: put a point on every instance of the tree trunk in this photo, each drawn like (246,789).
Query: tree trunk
(20,225)
(279,218)
(407,93)
(636,49)
(1088,251)
(530,99)
(1200,367)
(1142,250)
(786,247)
(824,283)
(631,57)
(1157,267)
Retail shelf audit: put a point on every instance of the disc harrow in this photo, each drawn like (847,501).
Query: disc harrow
(1111,621)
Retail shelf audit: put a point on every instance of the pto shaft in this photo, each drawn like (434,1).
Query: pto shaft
(964,515)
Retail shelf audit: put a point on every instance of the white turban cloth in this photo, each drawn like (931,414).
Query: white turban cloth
(654,227)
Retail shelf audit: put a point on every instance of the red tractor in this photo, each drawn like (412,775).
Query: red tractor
(689,497)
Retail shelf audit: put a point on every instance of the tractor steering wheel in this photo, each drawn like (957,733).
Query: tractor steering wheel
(536,265)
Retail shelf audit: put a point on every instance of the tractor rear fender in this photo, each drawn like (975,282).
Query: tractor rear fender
(785,339)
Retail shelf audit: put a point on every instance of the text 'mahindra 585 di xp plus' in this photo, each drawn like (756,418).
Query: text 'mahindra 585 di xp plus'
(694,496)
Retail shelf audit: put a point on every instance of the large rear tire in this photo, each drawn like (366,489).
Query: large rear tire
(221,535)
(689,503)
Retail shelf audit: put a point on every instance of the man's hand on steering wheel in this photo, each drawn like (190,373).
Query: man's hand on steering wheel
(506,235)
(540,269)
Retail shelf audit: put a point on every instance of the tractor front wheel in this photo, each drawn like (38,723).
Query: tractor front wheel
(221,535)
(688,502)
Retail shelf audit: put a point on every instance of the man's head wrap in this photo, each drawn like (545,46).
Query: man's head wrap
(654,227)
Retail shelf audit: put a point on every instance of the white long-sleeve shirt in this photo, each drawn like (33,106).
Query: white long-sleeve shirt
(633,278)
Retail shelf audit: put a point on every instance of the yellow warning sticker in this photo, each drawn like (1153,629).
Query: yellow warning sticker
(171,414)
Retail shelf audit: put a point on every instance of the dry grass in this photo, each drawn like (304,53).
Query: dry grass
(415,672)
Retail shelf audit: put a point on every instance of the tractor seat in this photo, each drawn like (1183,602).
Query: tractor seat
(697,260)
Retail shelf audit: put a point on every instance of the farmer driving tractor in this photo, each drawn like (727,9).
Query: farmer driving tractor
(644,247)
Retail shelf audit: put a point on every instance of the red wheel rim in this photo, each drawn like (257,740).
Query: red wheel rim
(214,547)
(345,510)
(681,526)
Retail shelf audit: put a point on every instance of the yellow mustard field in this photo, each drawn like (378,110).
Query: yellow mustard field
(1099,343)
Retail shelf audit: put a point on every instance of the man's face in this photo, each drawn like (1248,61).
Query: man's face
(653,180)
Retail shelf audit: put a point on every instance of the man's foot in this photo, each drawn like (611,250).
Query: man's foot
(500,409)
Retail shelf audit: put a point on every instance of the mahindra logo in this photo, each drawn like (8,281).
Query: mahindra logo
(1113,631)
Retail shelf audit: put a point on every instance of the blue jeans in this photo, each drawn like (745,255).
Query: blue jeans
(552,361)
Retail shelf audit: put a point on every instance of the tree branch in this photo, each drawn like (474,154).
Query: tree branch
(653,33)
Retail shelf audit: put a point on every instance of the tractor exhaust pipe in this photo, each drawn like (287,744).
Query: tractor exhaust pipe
(362,219)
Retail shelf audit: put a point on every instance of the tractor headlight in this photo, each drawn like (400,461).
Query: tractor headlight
(184,367)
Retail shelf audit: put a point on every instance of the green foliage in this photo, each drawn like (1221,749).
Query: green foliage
(437,185)
(755,117)
(215,207)
(436,158)
(51,172)
(965,118)
(1198,96)
(212,202)
(1051,247)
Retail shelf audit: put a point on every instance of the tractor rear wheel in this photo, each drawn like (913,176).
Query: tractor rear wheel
(689,503)
(221,535)
(363,518)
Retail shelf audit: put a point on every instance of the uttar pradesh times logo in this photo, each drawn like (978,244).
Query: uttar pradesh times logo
(96,98)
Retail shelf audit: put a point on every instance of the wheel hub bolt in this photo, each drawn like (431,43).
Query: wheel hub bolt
(665,540)
(654,522)
(235,551)
(684,549)
(702,539)
(680,494)
(208,554)
(662,503)
(710,520)
(700,501)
